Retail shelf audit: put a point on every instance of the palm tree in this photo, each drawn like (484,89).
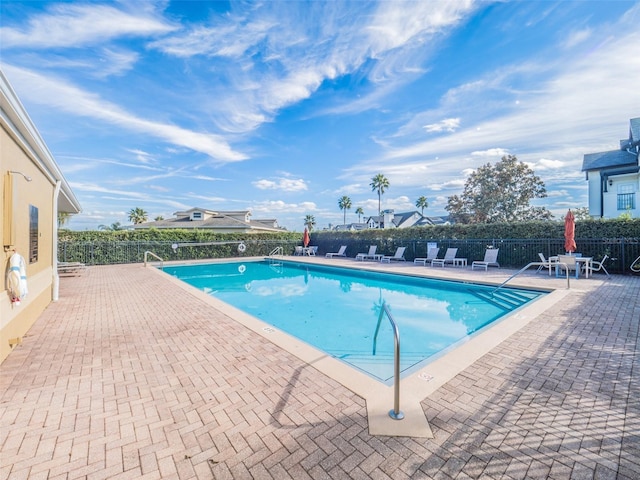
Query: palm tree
(138,215)
(360,212)
(345,204)
(158,218)
(379,183)
(422,203)
(309,222)
(110,228)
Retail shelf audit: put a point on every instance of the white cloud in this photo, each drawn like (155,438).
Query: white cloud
(546,164)
(446,125)
(279,206)
(456,184)
(577,37)
(68,98)
(74,25)
(282,184)
(491,152)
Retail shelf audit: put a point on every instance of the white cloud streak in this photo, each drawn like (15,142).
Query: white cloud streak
(68,98)
(282,184)
(74,25)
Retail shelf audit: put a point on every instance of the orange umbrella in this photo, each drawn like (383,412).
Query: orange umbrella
(570,232)
(305,238)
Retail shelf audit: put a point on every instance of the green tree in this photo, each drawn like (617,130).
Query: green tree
(422,203)
(63,218)
(360,212)
(158,218)
(379,184)
(138,215)
(309,222)
(581,213)
(111,228)
(499,193)
(345,204)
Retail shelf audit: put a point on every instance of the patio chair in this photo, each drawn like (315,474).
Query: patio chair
(298,250)
(431,254)
(597,266)
(546,263)
(339,253)
(369,256)
(449,255)
(568,263)
(71,268)
(490,259)
(398,256)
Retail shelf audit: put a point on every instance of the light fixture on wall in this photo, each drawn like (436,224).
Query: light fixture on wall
(26,177)
(610,182)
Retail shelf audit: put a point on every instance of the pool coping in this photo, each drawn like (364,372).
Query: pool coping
(379,397)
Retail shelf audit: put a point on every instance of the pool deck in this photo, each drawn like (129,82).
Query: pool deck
(128,376)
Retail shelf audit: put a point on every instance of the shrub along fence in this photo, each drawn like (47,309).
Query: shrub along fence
(514,253)
(132,251)
(519,243)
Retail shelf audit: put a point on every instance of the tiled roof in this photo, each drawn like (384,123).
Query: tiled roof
(613,158)
(215,222)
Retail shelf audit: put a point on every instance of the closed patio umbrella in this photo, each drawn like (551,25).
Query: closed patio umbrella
(570,232)
(305,238)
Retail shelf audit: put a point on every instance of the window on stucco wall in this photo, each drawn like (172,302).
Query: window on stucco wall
(626,196)
(33,234)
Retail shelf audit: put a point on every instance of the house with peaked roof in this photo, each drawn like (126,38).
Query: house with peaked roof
(391,219)
(234,221)
(614,177)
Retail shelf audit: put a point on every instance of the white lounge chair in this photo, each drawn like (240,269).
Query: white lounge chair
(339,253)
(431,255)
(546,263)
(567,263)
(369,256)
(298,250)
(71,268)
(597,266)
(398,256)
(449,255)
(490,259)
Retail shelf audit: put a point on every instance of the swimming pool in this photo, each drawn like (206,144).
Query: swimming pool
(336,309)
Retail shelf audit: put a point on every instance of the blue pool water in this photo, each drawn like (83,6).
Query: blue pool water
(337,309)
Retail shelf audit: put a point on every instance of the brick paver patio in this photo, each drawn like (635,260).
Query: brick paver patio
(128,377)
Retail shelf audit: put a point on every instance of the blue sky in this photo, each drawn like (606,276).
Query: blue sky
(284,107)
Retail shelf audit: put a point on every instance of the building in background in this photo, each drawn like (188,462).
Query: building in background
(237,221)
(33,192)
(614,177)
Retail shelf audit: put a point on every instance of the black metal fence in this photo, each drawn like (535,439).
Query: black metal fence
(514,253)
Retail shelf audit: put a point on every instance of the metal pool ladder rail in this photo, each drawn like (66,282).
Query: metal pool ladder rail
(147,253)
(276,252)
(530,264)
(396,414)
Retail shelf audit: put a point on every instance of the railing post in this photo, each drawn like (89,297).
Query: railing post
(396,414)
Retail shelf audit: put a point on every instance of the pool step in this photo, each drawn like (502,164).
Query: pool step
(386,358)
(503,298)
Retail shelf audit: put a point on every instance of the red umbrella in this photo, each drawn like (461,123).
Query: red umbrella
(570,232)
(305,238)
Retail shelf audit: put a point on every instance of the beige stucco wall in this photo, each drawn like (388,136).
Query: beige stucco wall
(16,321)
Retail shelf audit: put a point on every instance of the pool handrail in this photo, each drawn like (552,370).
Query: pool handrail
(530,264)
(396,414)
(148,252)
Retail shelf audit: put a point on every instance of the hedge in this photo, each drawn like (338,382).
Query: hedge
(519,242)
